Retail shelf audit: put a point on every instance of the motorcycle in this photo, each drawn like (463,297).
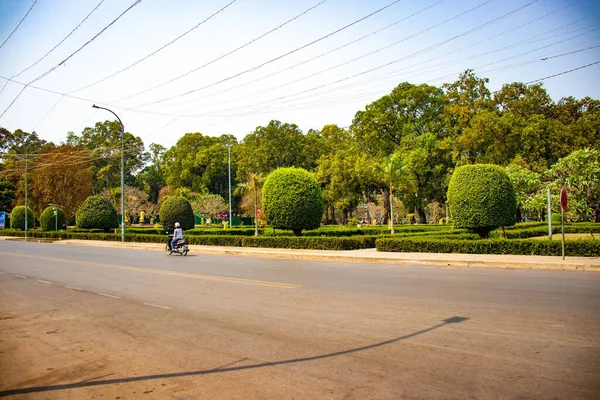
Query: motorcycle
(180,247)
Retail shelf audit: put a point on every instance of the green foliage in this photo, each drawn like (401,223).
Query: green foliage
(292,199)
(200,163)
(97,212)
(579,173)
(7,194)
(275,146)
(481,198)
(51,222)
(176,209)
(101,141)
(316,243)
(17,218)
(574,248)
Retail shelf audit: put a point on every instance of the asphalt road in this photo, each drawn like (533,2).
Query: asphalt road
(79,322)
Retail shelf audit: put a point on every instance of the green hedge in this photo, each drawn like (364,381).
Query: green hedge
(291,242)
(573,248)
(315,243)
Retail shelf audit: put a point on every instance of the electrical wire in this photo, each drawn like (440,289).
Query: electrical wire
(417,53)
(19,24)
(55,47)
(562,73)
(222,56)
(256,67)
(310,59)
(68,58)
(360,57)
(154,52)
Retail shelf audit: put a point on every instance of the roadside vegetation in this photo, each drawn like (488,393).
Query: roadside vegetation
(423,168)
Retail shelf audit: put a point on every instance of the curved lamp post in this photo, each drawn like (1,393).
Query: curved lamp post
(122,171)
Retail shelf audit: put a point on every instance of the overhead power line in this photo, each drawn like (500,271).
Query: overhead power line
(415,54)
(68,58)
(224,55)
(562,73)
(18,25)
(310,59)
(154,52)
(273,59)
(359,57)
(55,47)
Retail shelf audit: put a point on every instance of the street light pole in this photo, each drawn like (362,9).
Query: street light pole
(26,227)
(56,207)
(229,167)
(26,179)
(122,171)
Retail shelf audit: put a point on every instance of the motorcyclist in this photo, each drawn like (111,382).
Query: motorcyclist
(177,234)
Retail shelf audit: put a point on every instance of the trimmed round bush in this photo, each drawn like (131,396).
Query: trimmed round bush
(176,209)
(481,198)
(292,199)
(50,222)
(17,218)
(97,212)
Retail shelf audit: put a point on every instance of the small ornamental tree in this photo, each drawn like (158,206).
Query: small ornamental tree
(292,199)
(17,218)
(481,198)
(97,212)
(176,209)
(49,221)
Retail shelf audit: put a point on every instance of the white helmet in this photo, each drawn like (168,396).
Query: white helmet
(176,224)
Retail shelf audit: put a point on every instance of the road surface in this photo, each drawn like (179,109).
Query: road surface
(104,323)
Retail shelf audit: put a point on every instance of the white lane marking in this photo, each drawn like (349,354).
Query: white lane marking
(156,305)
(74,288)
(46,282)
(108,295)
(21,276)
(2,273)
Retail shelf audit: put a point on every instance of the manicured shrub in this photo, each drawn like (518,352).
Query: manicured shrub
(17,218)
(573,248)
(51,222)
(176,209)
(481,198)
(292,199)
(97,212)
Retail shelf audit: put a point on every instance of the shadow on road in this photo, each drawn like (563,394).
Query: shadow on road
(88,383)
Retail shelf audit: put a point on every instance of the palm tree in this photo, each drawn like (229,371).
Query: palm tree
(253,185)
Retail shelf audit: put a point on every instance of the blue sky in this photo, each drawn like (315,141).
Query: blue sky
(203,83)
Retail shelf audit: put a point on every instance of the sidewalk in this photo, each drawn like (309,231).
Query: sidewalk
(371,255)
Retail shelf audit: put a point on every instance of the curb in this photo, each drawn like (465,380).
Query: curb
(465,261)
(365,256)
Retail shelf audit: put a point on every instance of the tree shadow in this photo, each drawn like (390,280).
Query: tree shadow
(225,368)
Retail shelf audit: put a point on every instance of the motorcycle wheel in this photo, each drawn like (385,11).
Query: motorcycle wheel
(167,250)
(184,253)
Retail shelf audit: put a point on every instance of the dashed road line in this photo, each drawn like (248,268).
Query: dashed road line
(46,282)
(108,295)
(160,271)
(1,273)
(74,288)
(21,276)
(158,306)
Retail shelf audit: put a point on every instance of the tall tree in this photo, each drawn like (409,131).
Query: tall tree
(151,179)
(277,145)
(200,163)
(61,176)
(338,171)
(103,141)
